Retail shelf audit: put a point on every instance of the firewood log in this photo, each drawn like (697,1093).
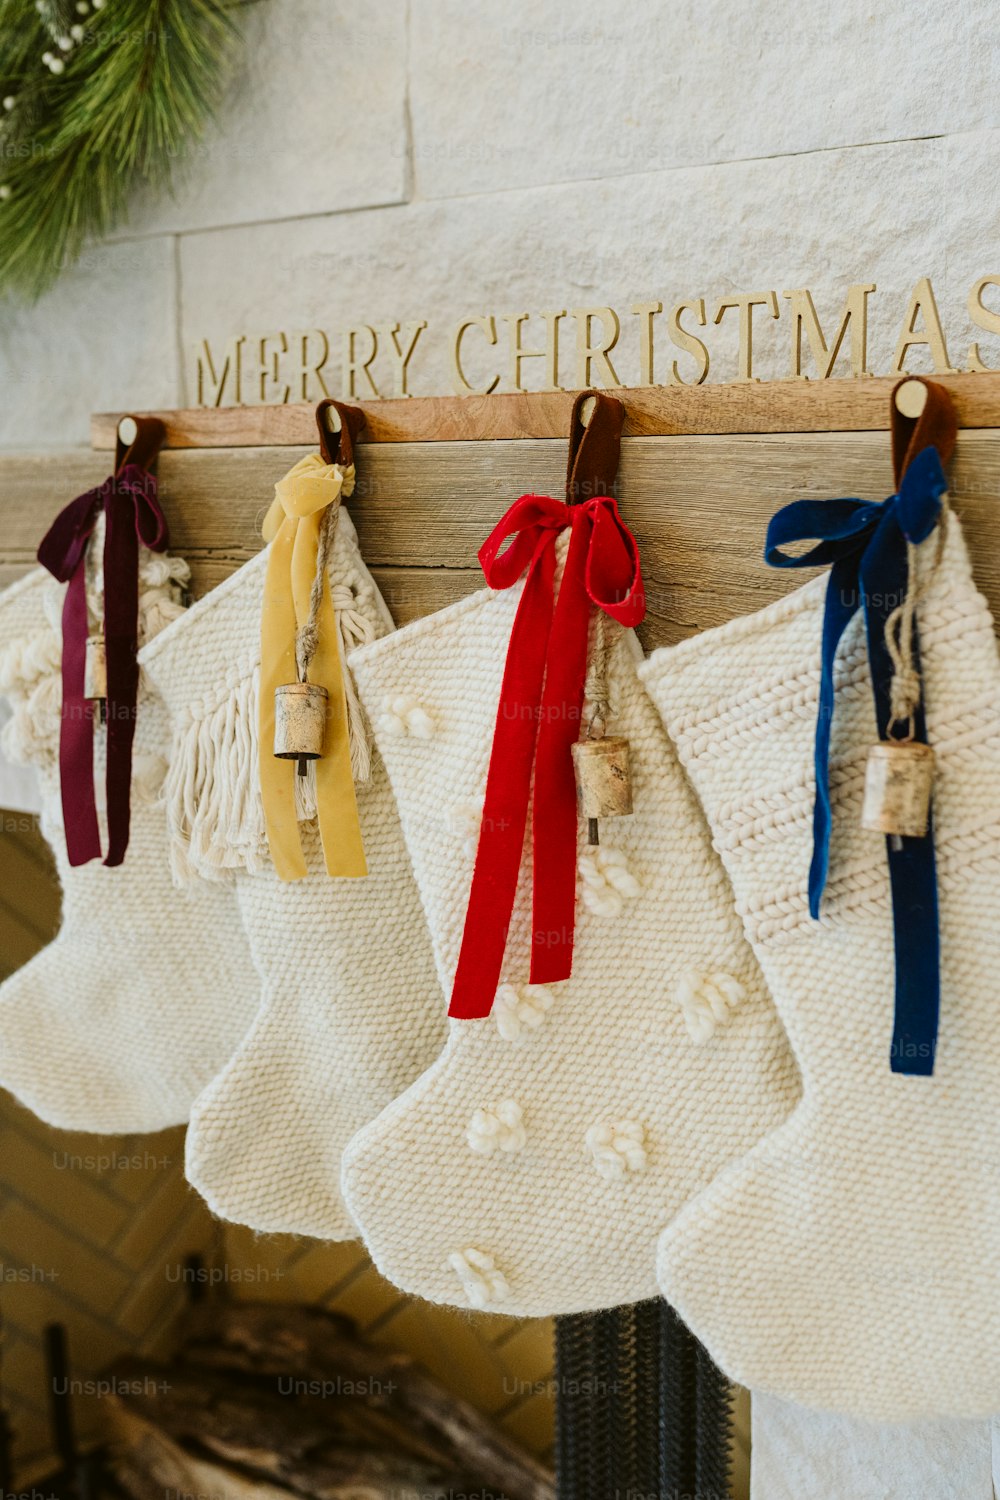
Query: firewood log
(247,1436)
(309,1342)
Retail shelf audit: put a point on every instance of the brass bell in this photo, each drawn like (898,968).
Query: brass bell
(898,781)
(95,674)
(299,722)
(603,780)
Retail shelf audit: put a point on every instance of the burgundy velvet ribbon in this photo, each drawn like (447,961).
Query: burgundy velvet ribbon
(132,515)
(538,720)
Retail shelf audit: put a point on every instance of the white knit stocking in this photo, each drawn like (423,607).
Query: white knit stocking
(852,1260)
(347,1015)
(532,1168)
(144,994)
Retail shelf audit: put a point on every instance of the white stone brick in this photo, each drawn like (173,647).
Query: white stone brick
(886,214)
(506,96)
(104,338)
(314,121)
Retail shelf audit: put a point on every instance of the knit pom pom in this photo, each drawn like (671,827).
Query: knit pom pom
(606,881)
(499,1127)
(404,714)
(520,1009)
(31,735)
(464,821)
(27,660)
(162,570)
(707,1002)
(617,1148)
(482,1282)
(148,772)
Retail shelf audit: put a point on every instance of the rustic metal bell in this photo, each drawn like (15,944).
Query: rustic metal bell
(95,673)
(899,777)
(603,780)
(299,722)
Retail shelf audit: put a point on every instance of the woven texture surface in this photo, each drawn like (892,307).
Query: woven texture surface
(347,1015)
(532,1169)
(851,1260)
(119,1023)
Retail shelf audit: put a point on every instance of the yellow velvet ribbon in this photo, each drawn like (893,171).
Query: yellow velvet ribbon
(292,526)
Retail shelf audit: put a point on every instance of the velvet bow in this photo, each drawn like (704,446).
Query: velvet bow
(292,527)
(132,516)
(865,545)
(538,720)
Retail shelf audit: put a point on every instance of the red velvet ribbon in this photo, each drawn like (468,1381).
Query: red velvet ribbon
(132,513)
(538,720)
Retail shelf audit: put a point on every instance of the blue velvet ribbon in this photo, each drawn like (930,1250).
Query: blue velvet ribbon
(865,545)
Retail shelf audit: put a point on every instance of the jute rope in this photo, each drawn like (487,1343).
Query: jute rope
(906,689)
(307,639)
(597,693)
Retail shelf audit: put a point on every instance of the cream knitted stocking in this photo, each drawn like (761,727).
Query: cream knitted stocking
(851,1261)
(144,994)
(532,1168)
(346,1016)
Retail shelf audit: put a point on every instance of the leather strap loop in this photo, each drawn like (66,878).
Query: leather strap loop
(338,447)
(594,449)
(141,452)
(936,426)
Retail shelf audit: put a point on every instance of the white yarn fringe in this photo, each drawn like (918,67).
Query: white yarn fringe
(353,629)
(212,789)
(30,668)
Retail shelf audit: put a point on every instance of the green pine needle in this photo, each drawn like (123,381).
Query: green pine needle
(133,94)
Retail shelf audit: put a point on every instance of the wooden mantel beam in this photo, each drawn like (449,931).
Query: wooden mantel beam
(856,405)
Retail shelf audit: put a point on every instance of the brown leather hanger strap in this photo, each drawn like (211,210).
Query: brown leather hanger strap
(594,449)
(338,447)
(936,425)
(149,438)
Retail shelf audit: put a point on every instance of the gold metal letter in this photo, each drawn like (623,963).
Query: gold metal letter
(352,364)
(855,317)
(270,348)
(463,386)
(311,368)
(983,318)
(550,353)
(922,301)
(647,311)
(746,304)
(681,339)
(589,353)
(209,386)
(401,357)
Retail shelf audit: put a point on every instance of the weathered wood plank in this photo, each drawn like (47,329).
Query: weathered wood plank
(770,406)
(698,505)
(33,489)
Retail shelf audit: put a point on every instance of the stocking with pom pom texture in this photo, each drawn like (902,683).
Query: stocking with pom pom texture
(851,1261)
(533,1167)
(119,1023)
(347,1016)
